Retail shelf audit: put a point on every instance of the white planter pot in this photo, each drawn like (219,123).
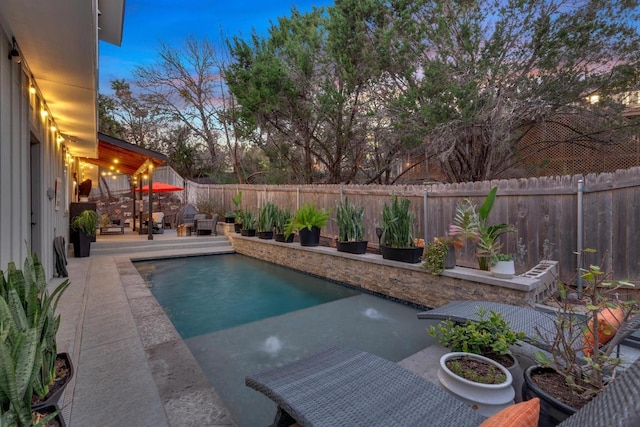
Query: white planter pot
(503,269)
(487,399)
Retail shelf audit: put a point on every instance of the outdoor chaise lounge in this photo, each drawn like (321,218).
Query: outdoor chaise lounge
(521,319)
(346,387)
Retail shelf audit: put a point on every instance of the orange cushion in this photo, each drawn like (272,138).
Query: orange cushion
(523,414)
(608,323)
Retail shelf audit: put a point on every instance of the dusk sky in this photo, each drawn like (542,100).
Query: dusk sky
(147,22)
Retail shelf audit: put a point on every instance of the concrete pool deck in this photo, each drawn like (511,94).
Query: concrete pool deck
(131,366)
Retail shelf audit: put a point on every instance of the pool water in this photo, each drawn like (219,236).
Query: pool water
(207,294)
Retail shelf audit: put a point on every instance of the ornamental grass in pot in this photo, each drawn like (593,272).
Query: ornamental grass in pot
(350,220)
(282,219)
(580,360)
(397,241)
(266,220)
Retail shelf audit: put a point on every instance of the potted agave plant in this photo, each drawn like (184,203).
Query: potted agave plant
(350,221)
(397,241)
(266,220)
(308,221)
(282,219)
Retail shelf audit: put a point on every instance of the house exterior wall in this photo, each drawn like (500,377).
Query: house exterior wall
(27,215)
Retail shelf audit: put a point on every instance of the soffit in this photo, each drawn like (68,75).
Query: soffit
(58,42)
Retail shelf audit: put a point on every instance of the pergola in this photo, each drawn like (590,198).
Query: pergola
(130,159)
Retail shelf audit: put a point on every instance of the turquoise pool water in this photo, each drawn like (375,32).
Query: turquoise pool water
(207,294)
(274,324)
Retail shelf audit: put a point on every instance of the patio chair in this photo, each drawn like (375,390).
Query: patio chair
(342,386)
(196,218)
(207,226)
(158,222)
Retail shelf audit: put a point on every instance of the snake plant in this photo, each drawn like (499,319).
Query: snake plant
(350,221)
(397,224)
(28,331)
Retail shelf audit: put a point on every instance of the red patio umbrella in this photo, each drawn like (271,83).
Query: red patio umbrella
(160,187)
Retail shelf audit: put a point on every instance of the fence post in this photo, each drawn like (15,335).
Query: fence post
(579,228)
(426,217)
(297,198)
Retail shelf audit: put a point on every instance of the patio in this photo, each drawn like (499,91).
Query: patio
(132,368)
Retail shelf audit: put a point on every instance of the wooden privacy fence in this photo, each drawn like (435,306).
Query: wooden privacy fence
(544,211)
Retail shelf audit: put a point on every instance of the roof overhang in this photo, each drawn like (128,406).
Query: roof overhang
(58,42)
(118,155)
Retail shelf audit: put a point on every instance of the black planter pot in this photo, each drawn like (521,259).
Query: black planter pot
(279,237)
(450,260)
(237,227)
(57,388)
(230,219)
(408,255)
(358,248)
(309,237)
(248,233)
(82,245)
(50,410)
(552,411)
(266,235)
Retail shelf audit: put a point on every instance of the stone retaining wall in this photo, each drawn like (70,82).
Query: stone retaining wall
(407,282)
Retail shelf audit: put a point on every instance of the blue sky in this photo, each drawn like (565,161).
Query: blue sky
(147,22)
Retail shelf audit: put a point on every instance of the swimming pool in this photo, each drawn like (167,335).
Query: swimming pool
(207,294)
(353,319)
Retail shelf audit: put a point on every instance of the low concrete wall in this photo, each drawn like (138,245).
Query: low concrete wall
(407,282)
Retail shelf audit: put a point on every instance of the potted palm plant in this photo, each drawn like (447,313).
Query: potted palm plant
(266,220)
(470,223)
(350,221)
(283,217)
(397,241)
(308,221)
(85,226)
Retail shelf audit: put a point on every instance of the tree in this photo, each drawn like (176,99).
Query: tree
(305,89)
(107,122)
(187,84)
(483,71)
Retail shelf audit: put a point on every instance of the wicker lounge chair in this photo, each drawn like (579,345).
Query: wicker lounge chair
(342,386)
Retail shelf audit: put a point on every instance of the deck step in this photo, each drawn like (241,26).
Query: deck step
(201,245)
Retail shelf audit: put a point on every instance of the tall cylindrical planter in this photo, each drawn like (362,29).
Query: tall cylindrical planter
(450,260)
(487,399)
(309,237)
(552,411)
